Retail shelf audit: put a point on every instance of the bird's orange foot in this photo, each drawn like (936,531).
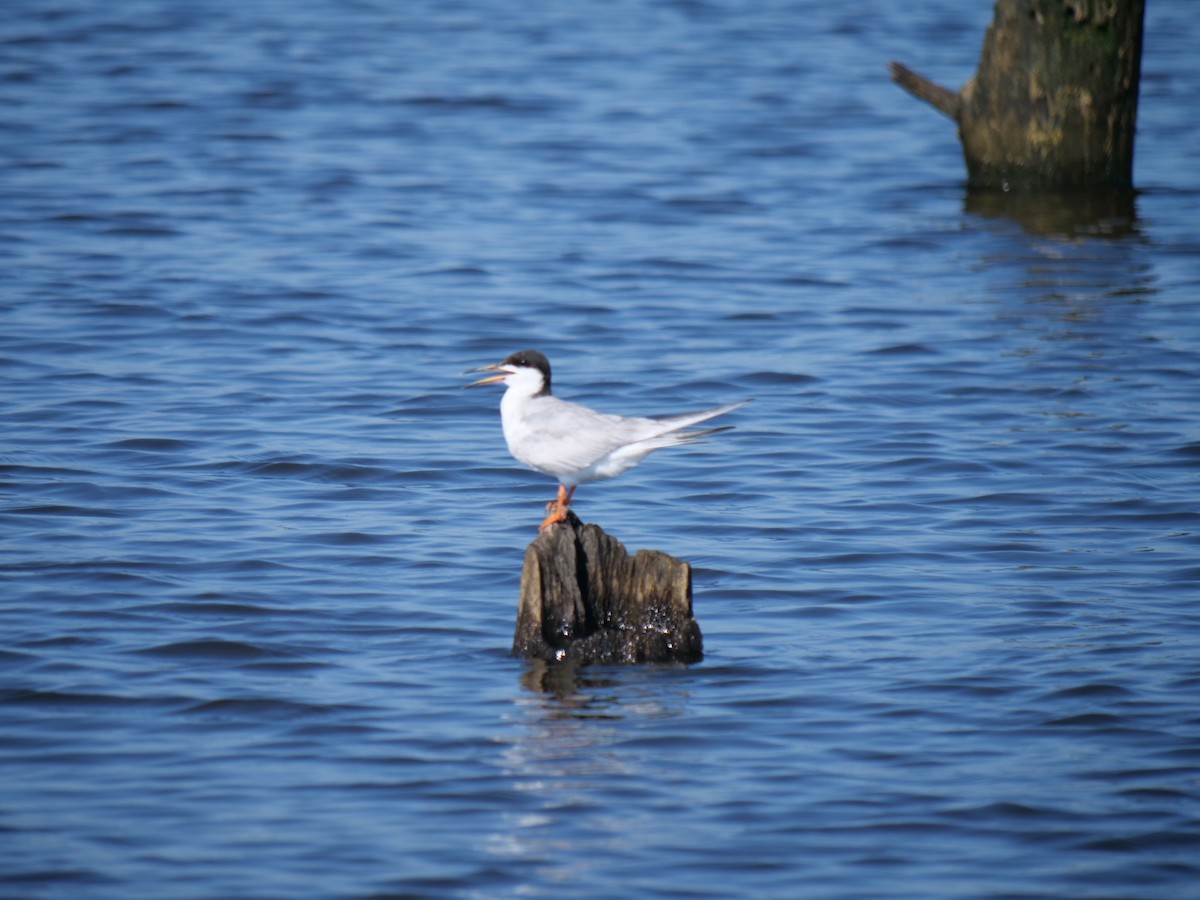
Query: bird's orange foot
(558,515)
(557,508)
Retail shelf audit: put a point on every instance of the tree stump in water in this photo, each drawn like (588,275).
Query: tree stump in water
(583,598)
(1053,104)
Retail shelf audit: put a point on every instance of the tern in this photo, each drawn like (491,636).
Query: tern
(571,442)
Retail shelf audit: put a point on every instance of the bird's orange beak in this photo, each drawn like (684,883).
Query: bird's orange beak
(491,379)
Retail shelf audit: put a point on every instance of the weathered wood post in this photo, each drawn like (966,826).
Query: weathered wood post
(583,598)
(1053,104)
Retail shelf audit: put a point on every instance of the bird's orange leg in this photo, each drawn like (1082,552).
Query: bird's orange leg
(566,501)
(558,508)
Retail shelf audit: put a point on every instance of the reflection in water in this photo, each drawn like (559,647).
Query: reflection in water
(569,690)
(1073,294)
(563,682)
(1100,213)
(1073,262)
(571,755)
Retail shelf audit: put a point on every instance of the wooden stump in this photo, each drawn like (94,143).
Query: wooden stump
(584,598)
(1053,104)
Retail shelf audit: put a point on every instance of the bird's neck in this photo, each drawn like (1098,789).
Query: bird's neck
(524,384)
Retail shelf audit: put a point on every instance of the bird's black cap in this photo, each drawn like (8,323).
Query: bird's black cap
(532,359)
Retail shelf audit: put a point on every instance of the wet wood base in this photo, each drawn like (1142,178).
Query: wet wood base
(584,598)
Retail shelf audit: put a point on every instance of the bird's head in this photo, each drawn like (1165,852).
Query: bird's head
(527,371)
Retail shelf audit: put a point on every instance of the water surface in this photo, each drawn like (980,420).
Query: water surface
(260,553)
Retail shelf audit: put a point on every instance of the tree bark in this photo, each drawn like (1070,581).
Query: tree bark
(1053,104)
(583,598)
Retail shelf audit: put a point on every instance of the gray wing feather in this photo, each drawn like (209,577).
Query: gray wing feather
(580,437)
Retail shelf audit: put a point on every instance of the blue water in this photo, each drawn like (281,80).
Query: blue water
(260,553)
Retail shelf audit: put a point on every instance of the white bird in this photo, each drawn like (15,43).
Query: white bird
(573,443)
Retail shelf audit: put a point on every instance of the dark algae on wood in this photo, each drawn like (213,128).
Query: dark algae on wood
(585,599)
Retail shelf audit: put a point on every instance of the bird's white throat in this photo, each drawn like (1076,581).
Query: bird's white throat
(523,382)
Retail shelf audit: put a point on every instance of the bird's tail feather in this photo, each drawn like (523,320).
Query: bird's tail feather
(673,434)
(697,437)
(674,423)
